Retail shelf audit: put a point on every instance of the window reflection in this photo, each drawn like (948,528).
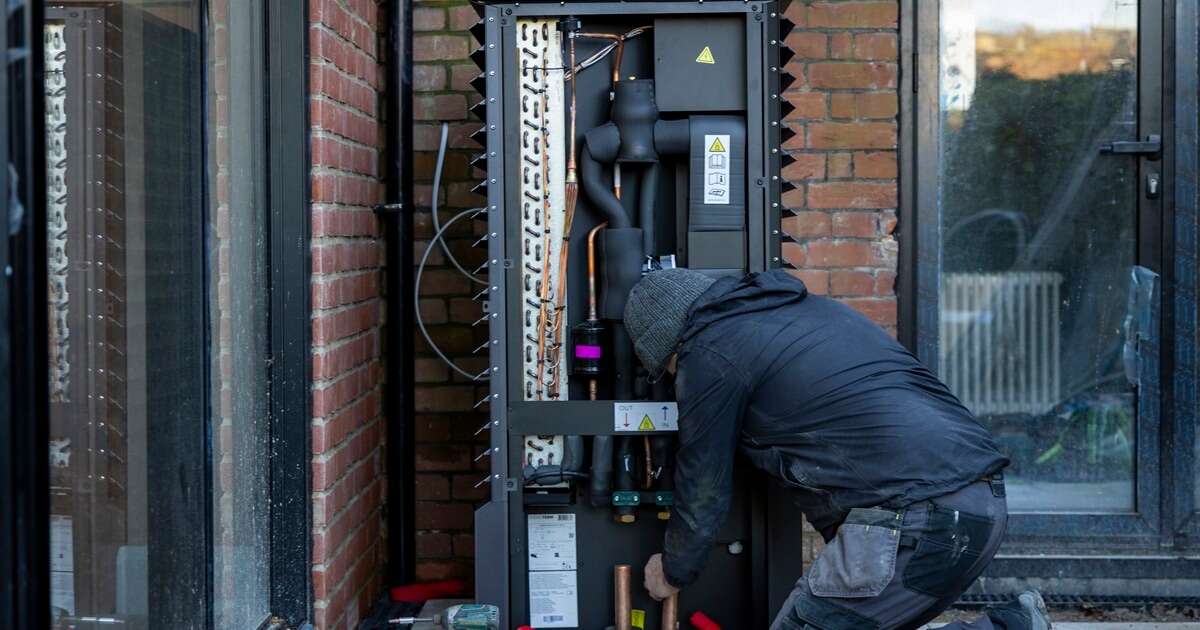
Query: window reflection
(1039,237)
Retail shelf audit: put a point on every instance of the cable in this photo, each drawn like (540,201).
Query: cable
(433,205)
(483,376)
(554,474)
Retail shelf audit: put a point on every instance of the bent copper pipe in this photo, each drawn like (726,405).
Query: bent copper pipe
(622,596)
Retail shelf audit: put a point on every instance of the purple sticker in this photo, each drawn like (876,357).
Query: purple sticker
(587,352)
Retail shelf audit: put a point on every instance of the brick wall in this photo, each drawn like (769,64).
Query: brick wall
(346,84)
(843,209)
(842,216)
(446,422)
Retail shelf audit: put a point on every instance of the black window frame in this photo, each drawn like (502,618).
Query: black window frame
(1173,515)
(24,505)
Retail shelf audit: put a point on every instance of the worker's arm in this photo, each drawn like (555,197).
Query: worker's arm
(712,395)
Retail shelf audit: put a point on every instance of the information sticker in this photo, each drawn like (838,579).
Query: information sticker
(635,417)
(552,542)
(553,599)
(716,169)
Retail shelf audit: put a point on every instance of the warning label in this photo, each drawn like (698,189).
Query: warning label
(706,56)
(645,416)
(716,169)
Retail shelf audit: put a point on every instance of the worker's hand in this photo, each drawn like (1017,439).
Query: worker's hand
(656,581)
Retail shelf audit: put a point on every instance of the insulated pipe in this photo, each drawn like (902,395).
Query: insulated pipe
(646,207)
(623,597)
(591,176)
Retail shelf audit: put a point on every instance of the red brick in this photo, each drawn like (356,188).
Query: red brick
(462,17)
(428,78)
(461,77)
(817,280)
(852,195)
(857,135)
(430,571)
(875,165)
(882,311)
(428,19)
(841,105)
(838,253)
(440,47)
(878,105)
(807,225)
(853,14)
(464,545)
(793,254)
(859,224)
(444,516)
(885,283)
(442,457)
(841,45)
(806,166)
(440,107)
(876,46)
(809,105)
(433,545)
(870,75)
(839,165)
(431,487)
(807,44)
(462,488)
(842,283)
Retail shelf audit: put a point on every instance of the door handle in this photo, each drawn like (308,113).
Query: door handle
(1151,147)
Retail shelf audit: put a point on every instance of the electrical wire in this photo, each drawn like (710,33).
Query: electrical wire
(483,376)
(605,51)
(561,475)
(433,205)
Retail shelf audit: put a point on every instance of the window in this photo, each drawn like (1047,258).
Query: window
(178,451)
(1041,246)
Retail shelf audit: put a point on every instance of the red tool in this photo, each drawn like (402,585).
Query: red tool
(701,621)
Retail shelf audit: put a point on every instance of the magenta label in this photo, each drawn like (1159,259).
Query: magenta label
(587,352)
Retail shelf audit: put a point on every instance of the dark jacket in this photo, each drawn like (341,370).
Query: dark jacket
(817,395)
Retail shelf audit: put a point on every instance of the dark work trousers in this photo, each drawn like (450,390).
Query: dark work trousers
(890,569)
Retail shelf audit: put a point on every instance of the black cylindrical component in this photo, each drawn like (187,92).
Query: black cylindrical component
(623,361)
(599,191)
(600,488)
(673,137)
(587,340)
(647,203)
(572,453)
(626,479)
(621,270)
(635,112)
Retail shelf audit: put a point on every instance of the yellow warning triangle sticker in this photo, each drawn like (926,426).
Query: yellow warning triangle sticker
(646,424)
(716,147)
(705,56)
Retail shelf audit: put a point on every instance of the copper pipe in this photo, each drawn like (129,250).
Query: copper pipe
(670,612)
(544,292)
(622,596)
(571,178)
(648,474)
(620,40)
(571,190)
(591,253)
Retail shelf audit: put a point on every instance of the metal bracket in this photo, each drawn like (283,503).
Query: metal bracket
(1151,147)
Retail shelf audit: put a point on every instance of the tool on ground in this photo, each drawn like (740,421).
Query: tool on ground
(701,621)
(460,617)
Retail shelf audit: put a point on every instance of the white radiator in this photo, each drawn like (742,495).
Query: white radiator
(999,340)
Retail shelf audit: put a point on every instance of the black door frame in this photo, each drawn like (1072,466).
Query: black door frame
(24,504)
(1167,514)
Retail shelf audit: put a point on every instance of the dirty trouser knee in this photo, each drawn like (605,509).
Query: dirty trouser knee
(899,569)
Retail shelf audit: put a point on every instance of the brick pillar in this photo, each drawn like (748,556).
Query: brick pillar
(346,87)
(843,210)
(844,207)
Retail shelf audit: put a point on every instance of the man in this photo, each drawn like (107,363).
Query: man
(901,480)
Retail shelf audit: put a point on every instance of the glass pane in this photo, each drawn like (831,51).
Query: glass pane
(240,342)
(156,268)
(1038,234)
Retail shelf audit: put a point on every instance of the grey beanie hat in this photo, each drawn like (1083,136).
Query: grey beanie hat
(657,310)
